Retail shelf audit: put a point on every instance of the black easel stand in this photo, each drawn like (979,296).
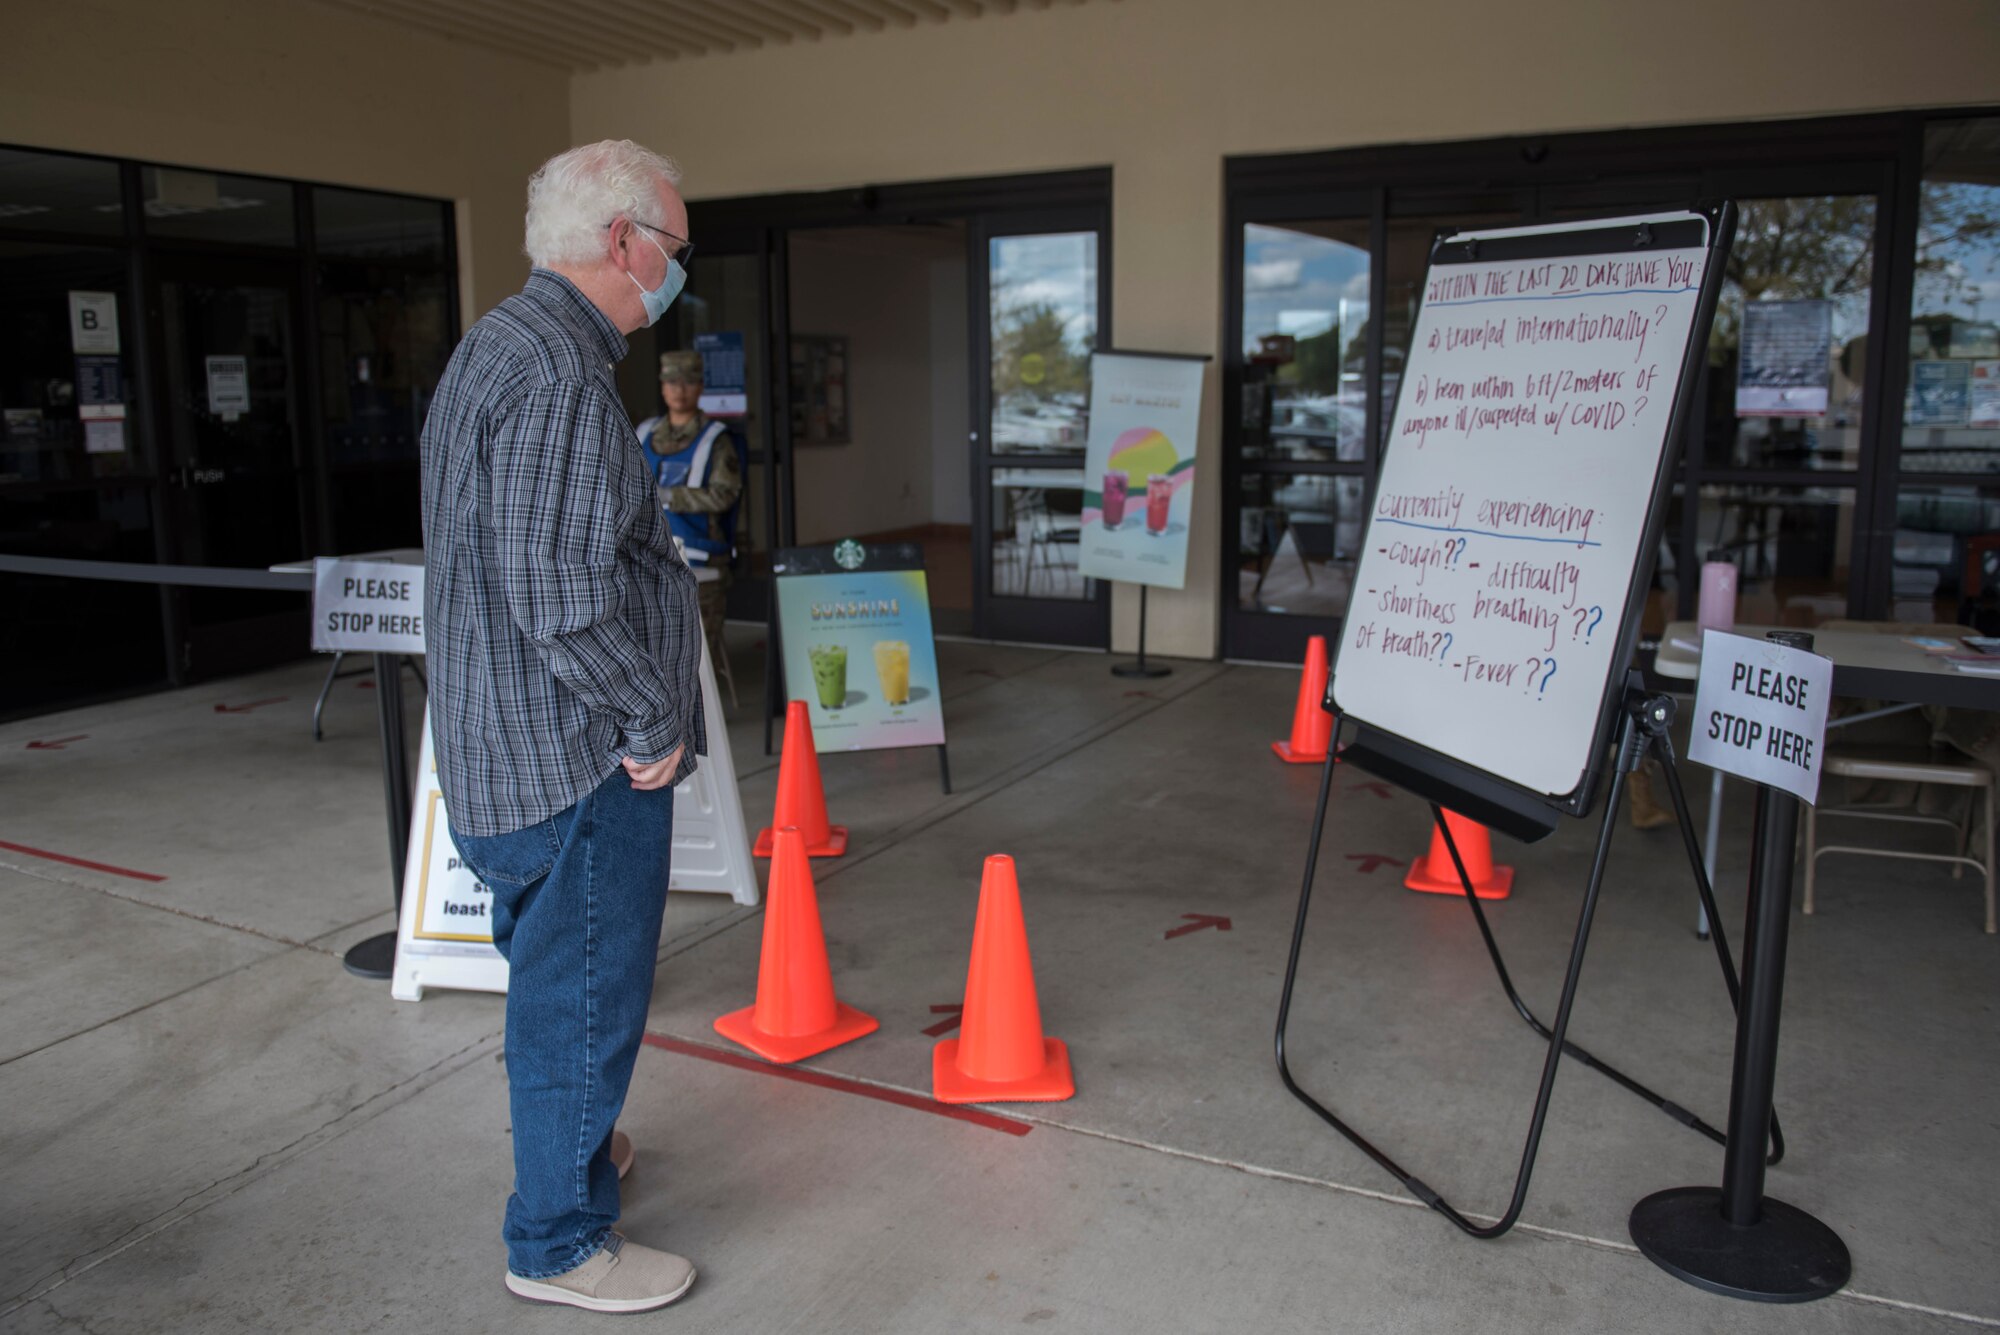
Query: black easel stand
(1646,720)
(1736,1240)
(376,956)
(1141,668)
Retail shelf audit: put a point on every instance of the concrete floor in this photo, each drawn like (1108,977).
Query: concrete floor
(208,1126)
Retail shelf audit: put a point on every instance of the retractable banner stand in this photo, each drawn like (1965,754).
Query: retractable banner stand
(1138,478)
(445,935)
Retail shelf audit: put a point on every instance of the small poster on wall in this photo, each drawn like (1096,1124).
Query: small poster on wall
(855,626)
(1138,488)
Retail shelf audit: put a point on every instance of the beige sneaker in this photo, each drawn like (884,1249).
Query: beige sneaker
(621,1153)
(622,1277)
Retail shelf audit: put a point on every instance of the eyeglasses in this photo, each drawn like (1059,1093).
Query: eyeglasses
(686,252)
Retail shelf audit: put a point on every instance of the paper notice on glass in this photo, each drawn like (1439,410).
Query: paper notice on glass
(724,390)
(104,435)
(1760,712)
(1940,394)
(1985,409)
(228,387)
(93,322)
(1785,359)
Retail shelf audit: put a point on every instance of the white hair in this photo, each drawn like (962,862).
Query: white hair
(574,196)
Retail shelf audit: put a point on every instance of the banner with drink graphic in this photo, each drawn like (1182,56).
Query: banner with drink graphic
(854,625)
(1138,481)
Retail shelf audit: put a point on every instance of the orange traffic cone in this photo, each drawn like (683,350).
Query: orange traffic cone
(796,1014)
(801,801)
(1000,1055)
(1435,874)
(1312,726)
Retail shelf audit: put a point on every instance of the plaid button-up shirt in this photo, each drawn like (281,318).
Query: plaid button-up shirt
(562,625)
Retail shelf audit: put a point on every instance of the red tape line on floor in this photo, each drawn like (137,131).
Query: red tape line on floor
(81,862)
(991,1121)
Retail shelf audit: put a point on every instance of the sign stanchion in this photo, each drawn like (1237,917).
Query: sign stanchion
(377,607)
(375,957)
(1140,668)
(1735,1240)
(1139,467)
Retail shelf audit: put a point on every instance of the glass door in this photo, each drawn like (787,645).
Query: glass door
(728,294)
(235,462)
(1039,301)
(1324,297)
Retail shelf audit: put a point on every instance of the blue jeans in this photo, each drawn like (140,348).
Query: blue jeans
(577,901)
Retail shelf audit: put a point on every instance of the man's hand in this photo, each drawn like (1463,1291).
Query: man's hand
(656,775)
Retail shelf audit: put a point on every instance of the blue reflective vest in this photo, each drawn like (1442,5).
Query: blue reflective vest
(690,467)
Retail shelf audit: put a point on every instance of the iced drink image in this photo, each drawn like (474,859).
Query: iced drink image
(1114,497)
(1159,498)
(892,669)
(830,674)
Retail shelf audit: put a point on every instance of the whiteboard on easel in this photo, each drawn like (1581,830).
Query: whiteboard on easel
(444,934)
(1504,568)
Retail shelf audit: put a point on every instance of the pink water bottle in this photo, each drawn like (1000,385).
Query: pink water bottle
(1717,608)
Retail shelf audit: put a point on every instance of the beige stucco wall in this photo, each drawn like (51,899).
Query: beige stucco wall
(290,88)
(1162,90)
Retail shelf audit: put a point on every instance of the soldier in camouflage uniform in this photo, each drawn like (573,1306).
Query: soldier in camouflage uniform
(698,477)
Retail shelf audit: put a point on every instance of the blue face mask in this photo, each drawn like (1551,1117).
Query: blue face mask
(658,299)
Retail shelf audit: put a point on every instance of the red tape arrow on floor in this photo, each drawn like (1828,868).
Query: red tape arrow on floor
(57,744)
(1370,861)
(1197,921)
(946,1025)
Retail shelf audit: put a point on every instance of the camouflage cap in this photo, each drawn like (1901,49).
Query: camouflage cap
(680,367)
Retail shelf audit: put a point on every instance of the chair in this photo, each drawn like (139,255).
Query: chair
(1908,765)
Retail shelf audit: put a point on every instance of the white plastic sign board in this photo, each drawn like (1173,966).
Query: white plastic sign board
(367,607)
(93,322)
(1760,712)
(1530,429)
(444,937)
(1138,472)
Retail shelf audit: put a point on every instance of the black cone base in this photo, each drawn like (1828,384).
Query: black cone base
(373,958)
(1139,670)
(1785,1257)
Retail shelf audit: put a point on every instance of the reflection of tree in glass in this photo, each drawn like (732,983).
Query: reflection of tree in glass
(1958,226)
(1033,353)
(1794,249)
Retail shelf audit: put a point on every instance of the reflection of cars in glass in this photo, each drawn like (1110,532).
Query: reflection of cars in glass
(1321,427)
(1027,423)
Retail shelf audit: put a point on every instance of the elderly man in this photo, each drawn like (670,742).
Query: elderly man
(564,646)
(698,477)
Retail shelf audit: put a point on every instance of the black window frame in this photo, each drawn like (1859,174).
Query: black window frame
(1881,155)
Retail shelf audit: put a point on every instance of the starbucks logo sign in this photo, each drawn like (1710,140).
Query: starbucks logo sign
(849,555)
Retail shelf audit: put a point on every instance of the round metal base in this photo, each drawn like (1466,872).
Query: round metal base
(373,958)
(1787,1256)
(1139,670)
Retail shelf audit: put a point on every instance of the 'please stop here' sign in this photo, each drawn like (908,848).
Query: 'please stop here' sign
(1760,712)
(374,607)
